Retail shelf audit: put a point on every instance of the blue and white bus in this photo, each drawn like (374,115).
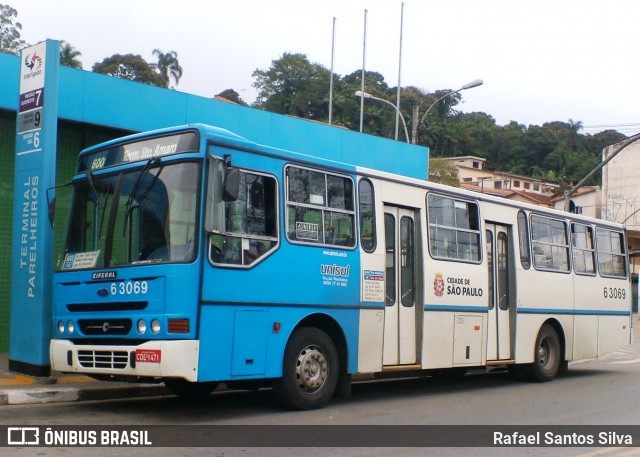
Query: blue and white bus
(193,256)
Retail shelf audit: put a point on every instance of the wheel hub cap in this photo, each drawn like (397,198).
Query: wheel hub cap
(311,369)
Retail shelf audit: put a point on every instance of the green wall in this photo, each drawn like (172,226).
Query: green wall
(7,154)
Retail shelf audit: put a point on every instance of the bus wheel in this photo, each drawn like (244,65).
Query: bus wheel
(310,370)
(190,390)
(547,356)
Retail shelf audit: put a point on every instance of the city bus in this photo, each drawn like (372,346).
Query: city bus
(194,257)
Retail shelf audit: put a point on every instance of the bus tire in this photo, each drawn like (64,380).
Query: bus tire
(547,356)
(310,370)
(190,390)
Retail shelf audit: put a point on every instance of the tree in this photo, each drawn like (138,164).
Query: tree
(232,96)
(69,56)
(443,172)
(295,86)
(378,119)
(471,134)
(553,151)
(10,41)
(168,66)
(596,143)
(131,67)
(574,134)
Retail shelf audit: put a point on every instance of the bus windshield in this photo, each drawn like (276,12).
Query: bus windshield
(144,215)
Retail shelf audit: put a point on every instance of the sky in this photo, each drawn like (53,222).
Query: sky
(541,61)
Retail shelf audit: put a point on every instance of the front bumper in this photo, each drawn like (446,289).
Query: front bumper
(156,359)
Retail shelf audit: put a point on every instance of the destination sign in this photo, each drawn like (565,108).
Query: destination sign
(139,150)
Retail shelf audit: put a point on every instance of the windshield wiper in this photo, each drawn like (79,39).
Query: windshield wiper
(91,185)
(134,191)
(143,172)
(100,207)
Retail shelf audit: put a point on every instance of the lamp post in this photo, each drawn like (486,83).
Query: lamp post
(470,85)
(364,95)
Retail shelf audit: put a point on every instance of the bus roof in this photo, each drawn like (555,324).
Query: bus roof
(317,142)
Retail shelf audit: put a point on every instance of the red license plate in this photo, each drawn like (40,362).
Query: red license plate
(148,355)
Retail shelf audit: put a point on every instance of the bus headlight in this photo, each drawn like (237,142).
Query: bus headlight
(60,327)
(70,327)
(142,327)
(155,326)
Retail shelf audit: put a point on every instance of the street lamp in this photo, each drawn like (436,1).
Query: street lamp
(470,85)
(359,93)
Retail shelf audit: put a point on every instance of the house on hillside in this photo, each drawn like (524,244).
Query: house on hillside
(524,189)
(586,201)
(472,172)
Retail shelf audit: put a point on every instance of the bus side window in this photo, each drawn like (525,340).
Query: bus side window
(550,244)
(454,229)
(245,230)
(583,249)
(523,238)
(611,253)
(366,204)
(320,207)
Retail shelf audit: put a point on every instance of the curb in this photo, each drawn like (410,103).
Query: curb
(53,394)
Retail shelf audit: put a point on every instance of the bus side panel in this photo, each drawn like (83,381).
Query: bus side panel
(216,339)
(248,342)
(614,325)
(543,295)
(585,337)
(437,351)
(454,293)
(614,332)
(588,299)
(370,341)
(372,293)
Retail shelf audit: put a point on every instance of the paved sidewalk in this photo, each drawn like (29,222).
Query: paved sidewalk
(18,389)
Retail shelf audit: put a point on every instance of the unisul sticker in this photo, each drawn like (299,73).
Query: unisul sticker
(335,275)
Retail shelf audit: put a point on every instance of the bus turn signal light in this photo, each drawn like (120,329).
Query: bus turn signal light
(178,325)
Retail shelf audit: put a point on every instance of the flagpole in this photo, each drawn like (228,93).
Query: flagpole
(333,51)
(399,69)
(364,55)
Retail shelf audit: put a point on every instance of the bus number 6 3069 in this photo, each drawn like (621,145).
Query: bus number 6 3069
(129,288)
(615,293)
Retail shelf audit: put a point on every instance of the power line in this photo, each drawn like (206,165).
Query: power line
(637,124)
(628,128)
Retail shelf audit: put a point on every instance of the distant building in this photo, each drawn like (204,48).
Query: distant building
(473,176)
(620,186)
(621,196)
(586,201)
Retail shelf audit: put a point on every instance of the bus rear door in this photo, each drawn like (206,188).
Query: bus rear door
(501,308)
(400,295)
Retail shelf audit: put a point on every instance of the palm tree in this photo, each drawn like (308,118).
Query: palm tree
(69,56)
(168,66)
(574,134)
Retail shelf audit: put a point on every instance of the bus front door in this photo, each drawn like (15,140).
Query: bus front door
(400,287)
(499,260)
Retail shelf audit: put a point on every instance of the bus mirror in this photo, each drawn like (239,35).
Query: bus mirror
(231,184)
